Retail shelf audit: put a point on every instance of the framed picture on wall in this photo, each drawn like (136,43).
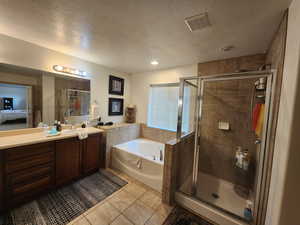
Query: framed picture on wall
(8,103)
(115,106)
(116,85)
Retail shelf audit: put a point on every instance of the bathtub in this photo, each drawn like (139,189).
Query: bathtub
(140,159)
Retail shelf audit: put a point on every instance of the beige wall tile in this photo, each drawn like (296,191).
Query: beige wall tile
(234,97)
(120,134)
(156,134)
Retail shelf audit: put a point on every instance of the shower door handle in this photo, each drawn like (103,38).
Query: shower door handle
(257,141)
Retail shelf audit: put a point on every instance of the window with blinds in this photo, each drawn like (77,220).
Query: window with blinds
(163,107)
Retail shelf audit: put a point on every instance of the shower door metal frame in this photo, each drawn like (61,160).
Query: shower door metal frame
(270,75)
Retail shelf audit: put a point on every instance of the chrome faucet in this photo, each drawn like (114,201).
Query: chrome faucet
(161,155)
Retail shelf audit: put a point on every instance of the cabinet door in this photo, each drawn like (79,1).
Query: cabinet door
(68,154)
(1,182)
(91,153)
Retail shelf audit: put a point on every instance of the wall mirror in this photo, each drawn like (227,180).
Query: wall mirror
(28,97)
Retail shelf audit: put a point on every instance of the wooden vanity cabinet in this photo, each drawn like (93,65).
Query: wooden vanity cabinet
(68,160)
(1,182)
(28,171)
(91,154)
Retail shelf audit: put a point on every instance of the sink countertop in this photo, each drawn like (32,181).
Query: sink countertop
(38,137)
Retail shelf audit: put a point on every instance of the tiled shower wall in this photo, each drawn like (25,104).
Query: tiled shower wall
(178,167)
(227,101)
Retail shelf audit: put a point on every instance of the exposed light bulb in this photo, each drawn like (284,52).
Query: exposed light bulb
(58,68)
(64,69)
(154,62)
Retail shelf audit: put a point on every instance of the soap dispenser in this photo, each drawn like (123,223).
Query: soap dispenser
(239,157)
(246,159)
(58,126)
(248,211)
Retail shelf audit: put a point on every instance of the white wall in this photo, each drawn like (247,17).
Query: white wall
(285,184)
(21,53)
(141,85)
(48,83)
(17,93)
(99,87)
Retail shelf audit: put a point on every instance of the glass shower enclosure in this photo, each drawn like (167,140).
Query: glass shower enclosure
(229,120)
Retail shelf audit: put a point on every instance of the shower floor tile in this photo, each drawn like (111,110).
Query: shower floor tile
(220,193)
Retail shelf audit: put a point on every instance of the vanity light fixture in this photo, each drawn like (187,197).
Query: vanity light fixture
(154,62)
(63,69)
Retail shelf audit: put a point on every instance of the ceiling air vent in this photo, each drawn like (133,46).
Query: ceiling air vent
(197,22)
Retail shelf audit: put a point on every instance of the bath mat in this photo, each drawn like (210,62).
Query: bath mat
(180,216)
(61,206)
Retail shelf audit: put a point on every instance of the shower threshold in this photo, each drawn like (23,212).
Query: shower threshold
(206,210)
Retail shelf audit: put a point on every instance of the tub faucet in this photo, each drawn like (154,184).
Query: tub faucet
(160,155)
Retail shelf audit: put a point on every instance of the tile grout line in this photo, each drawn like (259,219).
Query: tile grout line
(154,211)
(87,219)
(142,202)
(105,200)
(111,196)
(121,213)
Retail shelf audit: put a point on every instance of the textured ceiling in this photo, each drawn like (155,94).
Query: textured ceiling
(127,34)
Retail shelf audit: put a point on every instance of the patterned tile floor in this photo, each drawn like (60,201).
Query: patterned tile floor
(134,204)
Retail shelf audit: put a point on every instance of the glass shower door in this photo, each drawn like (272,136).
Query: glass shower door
(230,126)
(187,115)
(228,154)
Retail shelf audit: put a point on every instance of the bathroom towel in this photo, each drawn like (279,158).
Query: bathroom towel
(82,134)
(260,120)
(255,116)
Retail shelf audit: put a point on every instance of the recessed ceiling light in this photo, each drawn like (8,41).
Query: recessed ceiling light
(154,62)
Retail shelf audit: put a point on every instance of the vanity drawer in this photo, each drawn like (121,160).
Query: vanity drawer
(33,187)
(30,174)
(36,160)
(28,151)
(18,194)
